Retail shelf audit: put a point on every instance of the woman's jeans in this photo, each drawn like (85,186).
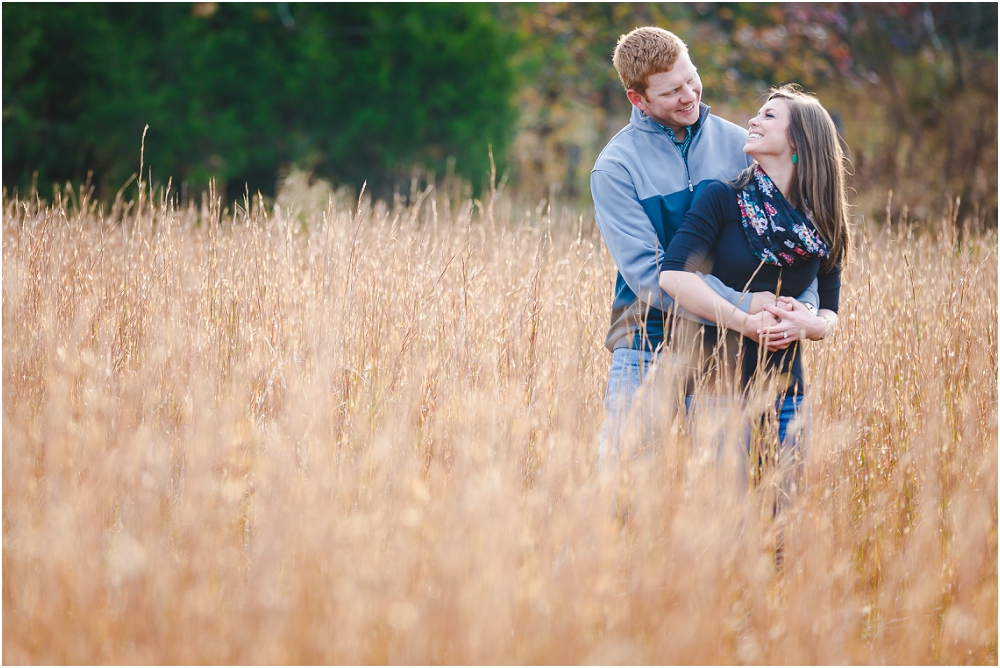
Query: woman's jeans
(793,423)
(788,408)
(779,465)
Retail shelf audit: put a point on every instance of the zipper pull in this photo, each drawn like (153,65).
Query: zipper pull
(690,187)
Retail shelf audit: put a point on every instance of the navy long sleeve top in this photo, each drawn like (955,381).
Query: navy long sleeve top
(712,240)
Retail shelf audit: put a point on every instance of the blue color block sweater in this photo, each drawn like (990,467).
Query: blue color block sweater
(642,188)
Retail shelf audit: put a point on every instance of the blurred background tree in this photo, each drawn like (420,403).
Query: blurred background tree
(373,92)
(240,92)
(912,86)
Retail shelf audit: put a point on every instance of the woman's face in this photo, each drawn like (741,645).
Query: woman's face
(769,132)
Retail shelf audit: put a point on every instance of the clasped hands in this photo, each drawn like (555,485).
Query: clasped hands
(778,322)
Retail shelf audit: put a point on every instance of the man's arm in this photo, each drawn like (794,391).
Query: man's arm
(758,300)
(633,244)
(744,301)
(811,295)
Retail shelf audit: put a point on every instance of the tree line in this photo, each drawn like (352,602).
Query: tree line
(365,92)
(356,92)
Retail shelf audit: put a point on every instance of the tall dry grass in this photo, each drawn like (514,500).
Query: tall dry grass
(368,434)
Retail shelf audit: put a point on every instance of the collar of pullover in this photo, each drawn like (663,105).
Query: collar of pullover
(643,122)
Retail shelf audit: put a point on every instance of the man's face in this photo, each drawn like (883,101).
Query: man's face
(672,98)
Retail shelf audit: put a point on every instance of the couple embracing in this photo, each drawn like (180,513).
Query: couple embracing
(738,235)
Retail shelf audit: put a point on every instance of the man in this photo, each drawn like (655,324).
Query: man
(643,184)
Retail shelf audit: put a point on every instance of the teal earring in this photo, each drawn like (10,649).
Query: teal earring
(795,159)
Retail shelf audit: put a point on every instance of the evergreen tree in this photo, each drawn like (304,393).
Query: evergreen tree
(238,92)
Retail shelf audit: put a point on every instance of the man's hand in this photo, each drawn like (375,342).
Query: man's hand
(757,301)
(758,323)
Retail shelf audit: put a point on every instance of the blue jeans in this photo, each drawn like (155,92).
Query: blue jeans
(635,407)
(786,462)
(626,422)
(793,423)
(789,408)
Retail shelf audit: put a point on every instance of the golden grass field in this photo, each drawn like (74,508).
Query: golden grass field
(318,432)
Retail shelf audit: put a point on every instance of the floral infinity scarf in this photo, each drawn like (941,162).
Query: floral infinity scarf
(778,233)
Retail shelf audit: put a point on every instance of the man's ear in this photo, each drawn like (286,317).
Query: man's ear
(636,99)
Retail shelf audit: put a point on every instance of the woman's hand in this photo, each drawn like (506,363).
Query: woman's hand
(794,322)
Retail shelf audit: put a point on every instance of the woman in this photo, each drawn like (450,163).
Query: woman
(776,227)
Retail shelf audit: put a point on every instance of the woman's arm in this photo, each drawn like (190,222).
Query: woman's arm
(692,293)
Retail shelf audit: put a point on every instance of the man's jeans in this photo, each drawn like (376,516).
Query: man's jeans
(627,424)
